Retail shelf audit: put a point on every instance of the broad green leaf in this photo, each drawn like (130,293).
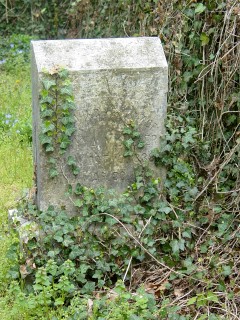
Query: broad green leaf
(52,160)
(48,83)
(44,139)
(46,99)
(79,189)
(37,287)
(128,154)
(127,130)
(71,161)
(63,73)
(226,270)
(192,301)
(204,39)
(58,238)
(200,8)
(135,134)
(128,143)
(53,172)
(47,126)
(64,144)
(47,113)
(203,248)
(89,287)
(140,144)
(211,296)
(175,246)
(76,170)
(67,91)
(59,302)
(187,234)
(49,148)
(78,203)
(69,131)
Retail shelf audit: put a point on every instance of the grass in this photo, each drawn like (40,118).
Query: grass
(15,149)
(15,162)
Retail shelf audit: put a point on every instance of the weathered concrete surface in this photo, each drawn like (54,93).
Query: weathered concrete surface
(114,81)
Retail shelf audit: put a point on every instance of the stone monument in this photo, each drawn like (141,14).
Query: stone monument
(115,82)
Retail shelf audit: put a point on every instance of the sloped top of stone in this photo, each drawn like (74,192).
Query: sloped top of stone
(100,54)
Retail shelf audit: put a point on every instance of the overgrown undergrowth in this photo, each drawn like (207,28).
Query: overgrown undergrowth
(188,254)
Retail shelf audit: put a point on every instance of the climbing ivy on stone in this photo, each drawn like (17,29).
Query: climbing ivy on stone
(57,119)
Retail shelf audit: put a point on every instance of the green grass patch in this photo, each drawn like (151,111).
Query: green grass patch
(15,164)
(15,137)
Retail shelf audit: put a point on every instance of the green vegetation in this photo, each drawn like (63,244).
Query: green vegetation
(182,242)
(57,104)
(15,159)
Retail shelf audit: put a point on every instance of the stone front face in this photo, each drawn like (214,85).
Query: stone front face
(115,81)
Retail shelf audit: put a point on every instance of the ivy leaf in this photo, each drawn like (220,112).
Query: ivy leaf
(200,8)
(203,248)
(48,126)
(89,287)
(67,91)
(128,154)
(48,83)
(140,144)
(177,245)
(48,99)
(79,189)
(147,197)
(76,170)
(63,73)
(47,113)
(53,172)
(65,143)
(68,105)
(66,120)
(204,38)
(187,76)
(135,134)
(226,270)
(71,161)
(128,143)
(78,203)
(67,241)
(69,131)
(166,210)
(52,160)
(58,238)
(49,148)
(44,139)
(191,301)
(187,234)
(127,130)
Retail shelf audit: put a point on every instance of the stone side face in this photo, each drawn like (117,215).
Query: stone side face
(114,81)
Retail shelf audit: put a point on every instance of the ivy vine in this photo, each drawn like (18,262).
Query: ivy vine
(56,109)
(132,139)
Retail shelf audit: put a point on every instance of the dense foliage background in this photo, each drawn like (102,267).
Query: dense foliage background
(196,236)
